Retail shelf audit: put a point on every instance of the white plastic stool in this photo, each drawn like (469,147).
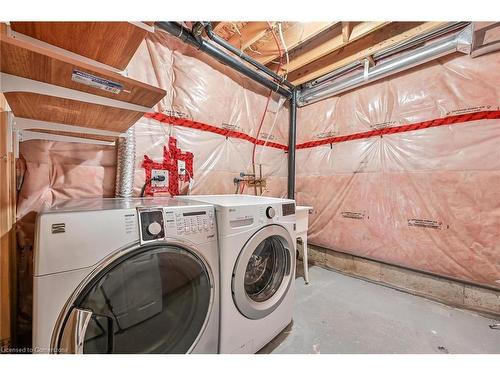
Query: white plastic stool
(302,225)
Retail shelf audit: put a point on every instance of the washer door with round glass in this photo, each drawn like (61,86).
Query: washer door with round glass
(154,299)
(263,272)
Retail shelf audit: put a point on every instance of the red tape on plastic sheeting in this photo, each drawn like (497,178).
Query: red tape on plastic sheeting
(171,157)
(450,120)
(213,129)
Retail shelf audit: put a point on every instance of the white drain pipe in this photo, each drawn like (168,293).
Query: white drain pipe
(461,42)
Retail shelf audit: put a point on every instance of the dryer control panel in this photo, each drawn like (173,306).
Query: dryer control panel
(158,223)
(190,222)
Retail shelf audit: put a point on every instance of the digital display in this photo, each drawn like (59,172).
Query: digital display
(194,213)
(288,209)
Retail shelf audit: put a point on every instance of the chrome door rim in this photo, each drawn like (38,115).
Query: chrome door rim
(248,307)
(115,256)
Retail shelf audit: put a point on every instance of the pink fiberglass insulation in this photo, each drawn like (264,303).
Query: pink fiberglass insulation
(217,159)
(427,199)
(203,90)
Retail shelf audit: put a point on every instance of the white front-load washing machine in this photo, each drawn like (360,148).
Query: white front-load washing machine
(257,264)
(126,276)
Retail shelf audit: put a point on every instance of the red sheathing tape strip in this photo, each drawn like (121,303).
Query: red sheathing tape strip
(450,120)
(213,129)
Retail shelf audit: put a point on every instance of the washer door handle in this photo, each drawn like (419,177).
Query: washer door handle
(288,260)
(73,336)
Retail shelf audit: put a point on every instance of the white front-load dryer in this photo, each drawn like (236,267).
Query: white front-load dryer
(257,264)
(126,276)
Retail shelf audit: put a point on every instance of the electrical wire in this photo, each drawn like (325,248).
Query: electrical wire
(284,47)
(260,126)
(254,50)
(280,52)
(236,29)
(270,93)
(281,102)
(156,178)
(191,180)
(268,98)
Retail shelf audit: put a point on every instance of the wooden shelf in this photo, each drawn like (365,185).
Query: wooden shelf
(22,59)
(70,112)
(111,43)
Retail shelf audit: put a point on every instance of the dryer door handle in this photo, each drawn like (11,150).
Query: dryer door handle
(73,336)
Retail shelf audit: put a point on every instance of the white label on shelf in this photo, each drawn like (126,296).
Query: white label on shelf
(97,82)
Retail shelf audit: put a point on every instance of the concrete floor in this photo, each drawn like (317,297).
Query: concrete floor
(341,314)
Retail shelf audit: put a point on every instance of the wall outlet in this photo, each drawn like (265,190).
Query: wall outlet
(181,167)
(159,172)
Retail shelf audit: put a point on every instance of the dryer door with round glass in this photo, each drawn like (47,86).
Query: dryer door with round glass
(154,299)
(263,272)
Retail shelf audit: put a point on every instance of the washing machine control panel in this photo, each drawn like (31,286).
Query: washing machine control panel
(270,212)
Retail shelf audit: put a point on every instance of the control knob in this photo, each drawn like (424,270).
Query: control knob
(270,212)
(154,228)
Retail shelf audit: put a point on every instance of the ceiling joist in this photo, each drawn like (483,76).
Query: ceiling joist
(249,34)
(227,30)
(294,34)
(346,31)
(333,42)
(376,41)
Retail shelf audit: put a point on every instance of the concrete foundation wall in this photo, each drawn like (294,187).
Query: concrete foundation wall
(450,292)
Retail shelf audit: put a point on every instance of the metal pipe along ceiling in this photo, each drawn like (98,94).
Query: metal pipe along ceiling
(186,36)
(460,42)
(223,43)
(400,47)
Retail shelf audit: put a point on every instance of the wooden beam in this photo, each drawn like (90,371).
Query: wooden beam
(250,33)
(3,103)
(379,40)
(227,30)
(216,26)
(334,43)
(293,35)
(7,230)
(346,31)
(7,234)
